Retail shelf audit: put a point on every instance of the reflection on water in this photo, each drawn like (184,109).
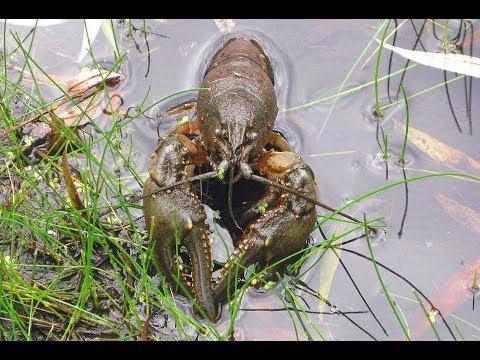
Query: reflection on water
(313,60)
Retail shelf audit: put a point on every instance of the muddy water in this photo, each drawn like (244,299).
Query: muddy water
(339,138)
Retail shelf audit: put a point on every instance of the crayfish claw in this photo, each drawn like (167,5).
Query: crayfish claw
(175,219)
(276,236)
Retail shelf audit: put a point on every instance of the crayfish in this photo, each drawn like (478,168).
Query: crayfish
(233,137)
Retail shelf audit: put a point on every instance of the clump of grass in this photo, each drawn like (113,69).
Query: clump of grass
(95,263)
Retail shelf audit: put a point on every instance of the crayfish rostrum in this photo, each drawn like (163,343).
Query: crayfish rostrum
(233,137)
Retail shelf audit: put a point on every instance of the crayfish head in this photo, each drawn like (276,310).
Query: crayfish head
(234,164)
(240,134)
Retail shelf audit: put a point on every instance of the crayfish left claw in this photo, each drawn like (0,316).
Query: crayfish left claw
(176,218)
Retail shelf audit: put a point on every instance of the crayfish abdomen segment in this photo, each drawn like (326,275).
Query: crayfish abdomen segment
(176,218)
(240,103)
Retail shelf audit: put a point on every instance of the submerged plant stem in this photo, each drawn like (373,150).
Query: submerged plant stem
(402,156)
(378,113)
(427,315)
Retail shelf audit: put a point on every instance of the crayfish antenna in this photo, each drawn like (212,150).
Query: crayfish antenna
(230,197)
(205,176)
(303,196)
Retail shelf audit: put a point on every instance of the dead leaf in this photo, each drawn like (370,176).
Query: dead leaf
(54,164)
(462,214)
(80,114)
(56,139)
(90,78)
(72,191)
(68,115)
(439,151)
(326,272)
(328,267)
(146,324)
(458,63)
(86,100)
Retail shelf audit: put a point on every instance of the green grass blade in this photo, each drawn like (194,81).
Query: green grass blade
(385,291)
(378,113)
(427,315)
(402,156)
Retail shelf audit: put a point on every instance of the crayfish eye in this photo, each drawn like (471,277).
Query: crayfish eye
(219,133)
(245,170)
(252,136)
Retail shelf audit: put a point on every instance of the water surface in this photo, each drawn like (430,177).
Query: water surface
(340,139)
